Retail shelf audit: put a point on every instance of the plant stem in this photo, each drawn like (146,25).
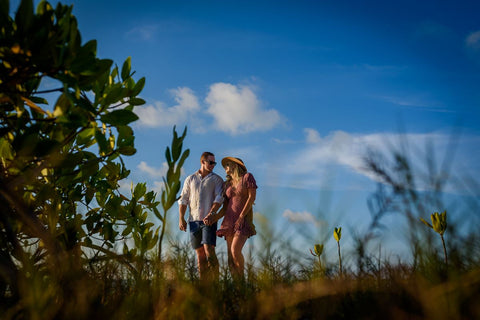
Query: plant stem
(444,250)
(339,258)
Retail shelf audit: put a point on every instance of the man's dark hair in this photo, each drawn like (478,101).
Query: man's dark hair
(205,155)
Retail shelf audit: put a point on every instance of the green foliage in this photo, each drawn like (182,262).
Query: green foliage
(61,163)
(439,225)
(318,250)
(175,160)
(337,234)
(439,222)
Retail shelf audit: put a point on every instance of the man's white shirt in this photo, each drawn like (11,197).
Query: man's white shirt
(199,194)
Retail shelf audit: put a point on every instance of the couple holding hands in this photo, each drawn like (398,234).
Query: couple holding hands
(204,192)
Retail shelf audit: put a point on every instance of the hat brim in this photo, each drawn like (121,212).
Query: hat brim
(234,160)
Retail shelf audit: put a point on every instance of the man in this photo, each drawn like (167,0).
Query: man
(202,193)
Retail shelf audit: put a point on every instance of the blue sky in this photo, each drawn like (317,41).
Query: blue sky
(299,90)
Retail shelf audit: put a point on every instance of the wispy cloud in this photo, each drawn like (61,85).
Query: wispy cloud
(158,115)
(153,174)
(145,32)
(415,102)
(472,45)
(151,171)
(473,40)
(320,158)
(300,217)
(237,110)
(312,135)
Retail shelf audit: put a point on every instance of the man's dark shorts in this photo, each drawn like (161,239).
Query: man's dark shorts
(201,234)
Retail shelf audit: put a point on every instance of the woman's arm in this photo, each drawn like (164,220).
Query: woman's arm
(252,193)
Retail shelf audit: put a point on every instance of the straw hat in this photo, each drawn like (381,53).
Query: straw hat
(234,160)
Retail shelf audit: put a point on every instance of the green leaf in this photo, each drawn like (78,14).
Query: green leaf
(89,169)
(101,140)
(127,150)
(125,136)
(119,117)
(318,249)
(136,101)
(6,151)
(86,136)
(4,10)
(89,195)
(180,163)
(167,156)
(158,214)
(337,234)
(24,16)
(426,223)
(126,68)
(39,100)
(140,190)
(115,93)
(138,86)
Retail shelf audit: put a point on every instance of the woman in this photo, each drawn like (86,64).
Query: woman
(237,226)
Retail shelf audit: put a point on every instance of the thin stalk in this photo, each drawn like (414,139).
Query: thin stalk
(444,250)
(339,258)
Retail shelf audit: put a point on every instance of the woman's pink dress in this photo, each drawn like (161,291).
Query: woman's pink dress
(236,196)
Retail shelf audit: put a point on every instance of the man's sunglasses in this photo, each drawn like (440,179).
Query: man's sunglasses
(211,162)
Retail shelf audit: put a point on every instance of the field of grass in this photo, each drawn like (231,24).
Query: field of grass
(275,288)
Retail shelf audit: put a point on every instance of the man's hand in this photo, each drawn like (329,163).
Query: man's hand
(182,224)
(210,219)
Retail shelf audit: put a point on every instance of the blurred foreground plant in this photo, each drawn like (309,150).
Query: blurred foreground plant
(62,164)
(175,160)
(337,234)
(439,225)
(317,252)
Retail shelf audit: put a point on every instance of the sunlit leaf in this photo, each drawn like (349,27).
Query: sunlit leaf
(119,117)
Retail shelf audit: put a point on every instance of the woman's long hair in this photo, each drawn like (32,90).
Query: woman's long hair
(237,173)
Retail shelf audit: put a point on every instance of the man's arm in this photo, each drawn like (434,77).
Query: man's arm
(217,202)
(183,204)
(182,224)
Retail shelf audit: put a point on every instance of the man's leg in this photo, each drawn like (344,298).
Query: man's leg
(202,262)
(213,267)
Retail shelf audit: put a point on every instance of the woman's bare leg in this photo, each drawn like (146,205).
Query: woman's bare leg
(236,248)
(231,263)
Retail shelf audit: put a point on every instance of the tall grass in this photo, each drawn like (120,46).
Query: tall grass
(279,283)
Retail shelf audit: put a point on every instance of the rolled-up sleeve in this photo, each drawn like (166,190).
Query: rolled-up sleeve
(219,191)
(185,195)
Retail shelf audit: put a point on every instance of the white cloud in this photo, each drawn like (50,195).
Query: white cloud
(154,173)
(302,217)
(158,187)
(236,109)
(473,41)
(146,32)
(339,147)
(312,135)
(339,158)
(420,101)
(159,115)
(151,171)
(472,46)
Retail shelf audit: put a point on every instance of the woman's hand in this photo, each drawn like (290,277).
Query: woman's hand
(239,223)
(210,219)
